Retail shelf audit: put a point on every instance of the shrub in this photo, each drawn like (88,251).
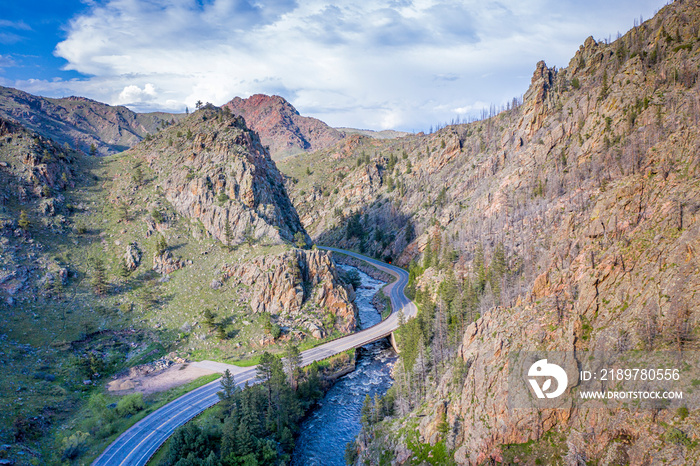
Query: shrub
(130,405)
(157,215)
(74,445)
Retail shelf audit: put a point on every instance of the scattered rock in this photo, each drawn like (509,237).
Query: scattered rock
(215,284)
(132,257)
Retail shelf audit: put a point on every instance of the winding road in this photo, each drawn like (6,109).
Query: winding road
(142,440)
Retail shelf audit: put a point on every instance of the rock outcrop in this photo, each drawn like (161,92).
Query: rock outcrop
(280,126)
(300,288)
(211,168)
(166,263)
(132,256)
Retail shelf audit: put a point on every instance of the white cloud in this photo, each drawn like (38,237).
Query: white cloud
(6,61)
(375,65)
(133,94)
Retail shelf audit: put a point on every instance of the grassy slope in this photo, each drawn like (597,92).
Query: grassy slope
(49,334)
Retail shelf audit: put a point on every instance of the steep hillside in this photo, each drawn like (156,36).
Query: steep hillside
(80,122)
(184,247)
(568,222)
(213,169)
(280,126)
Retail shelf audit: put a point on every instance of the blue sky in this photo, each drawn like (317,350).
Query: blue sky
(403,64)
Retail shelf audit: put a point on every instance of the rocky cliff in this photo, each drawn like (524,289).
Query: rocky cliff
(80,122)
(213,169)
(280,126)
(300,289)
(34,175)
(566,222)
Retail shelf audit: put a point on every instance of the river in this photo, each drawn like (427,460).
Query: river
(336,420)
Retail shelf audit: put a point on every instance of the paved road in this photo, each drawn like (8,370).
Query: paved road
(142,440)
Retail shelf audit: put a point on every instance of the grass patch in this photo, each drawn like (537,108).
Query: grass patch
(103,420)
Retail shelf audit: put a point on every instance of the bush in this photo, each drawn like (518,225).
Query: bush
(74,445)
(677,437)
(276,331)
(130,405)
(157,216)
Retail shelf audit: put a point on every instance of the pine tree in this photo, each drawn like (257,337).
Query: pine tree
(161,245)
(264,372)
(99,277)
(293,361)
(228,390)
(209,317)
(428,254)
(479,268)
(123,210)
(409,232)
(228,235)
(300,240)
(23,221)
(221,332)
(123,269)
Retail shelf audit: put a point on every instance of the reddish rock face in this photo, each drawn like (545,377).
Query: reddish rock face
(280,126)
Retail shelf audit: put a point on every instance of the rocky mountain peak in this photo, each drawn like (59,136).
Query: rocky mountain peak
(280,126)
(212,168)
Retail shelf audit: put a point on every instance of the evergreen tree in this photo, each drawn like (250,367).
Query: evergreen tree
(99,276)
(122,269)
(209,317)
(293,361)
(23,221)
(409,232)
(300,240)
(228,390)
(264,372)
(228,235)
(161,245)
(221,331)
(428,254)
(138,175)
(479,269)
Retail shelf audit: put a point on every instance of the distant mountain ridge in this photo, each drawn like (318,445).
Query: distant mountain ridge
(384,134)
(82,122)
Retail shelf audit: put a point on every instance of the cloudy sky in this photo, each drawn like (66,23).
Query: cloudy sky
(383,64)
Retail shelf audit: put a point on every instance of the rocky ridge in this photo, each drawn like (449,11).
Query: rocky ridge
(280,126)
(213,169)
(81,122)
